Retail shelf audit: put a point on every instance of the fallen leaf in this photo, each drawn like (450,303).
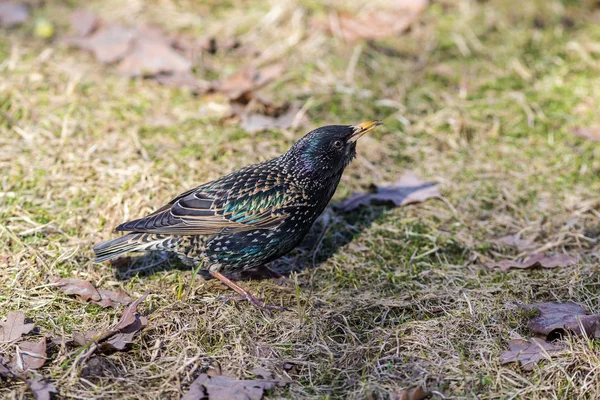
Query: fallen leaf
(408,189)
(183,80)
(151,55)
(557,319)
(82,339)
(588,133)
(13,13)
(191,46)
(130,314)
(41,388)
(84,290)
(110,298)
(120,335)
(416,393)
(109,43)
(558,260)
(124,336)
(14,327)
(246,80)
(528,352)
(256,122)
(84,22)
(221,387)
(5,371)
(30,355)
(378,23)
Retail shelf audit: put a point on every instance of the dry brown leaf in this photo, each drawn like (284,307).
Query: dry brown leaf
(84,22)
(247,80)
(109,43)
(130,314)
(5,371)
(84,290)
(14,327)
(220,387)
(41,388)
(120,335)
(416,393)
(558,260)
(110,298)
(190,46)
(13,13)
(592,133)
(30,355)
(379,23)
(183,80)
(256,122)
(528,352)
(556,319)
(124,336)
(408,189)
(151,55)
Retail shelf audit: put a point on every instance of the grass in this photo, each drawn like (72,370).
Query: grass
(480,96)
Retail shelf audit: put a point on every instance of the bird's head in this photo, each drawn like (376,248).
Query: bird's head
(327,150)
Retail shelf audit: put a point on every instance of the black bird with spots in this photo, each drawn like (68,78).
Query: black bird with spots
(251,216)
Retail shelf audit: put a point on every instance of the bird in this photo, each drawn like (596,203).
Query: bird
(251,216)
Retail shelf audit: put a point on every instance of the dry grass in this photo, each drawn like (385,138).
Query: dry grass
(480,96)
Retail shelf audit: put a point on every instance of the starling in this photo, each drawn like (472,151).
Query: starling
(251,216)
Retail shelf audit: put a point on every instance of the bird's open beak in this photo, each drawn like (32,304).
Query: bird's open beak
(363,128)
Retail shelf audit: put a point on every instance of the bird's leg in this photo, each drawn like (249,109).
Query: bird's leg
(261,305)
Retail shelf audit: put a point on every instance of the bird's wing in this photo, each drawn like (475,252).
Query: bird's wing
(245,200)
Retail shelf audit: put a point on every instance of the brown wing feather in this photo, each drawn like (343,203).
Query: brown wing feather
(235,203)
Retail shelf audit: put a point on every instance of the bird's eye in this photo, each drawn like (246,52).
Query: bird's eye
(338,144)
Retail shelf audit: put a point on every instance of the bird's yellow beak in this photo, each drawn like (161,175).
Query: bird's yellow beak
(363,128)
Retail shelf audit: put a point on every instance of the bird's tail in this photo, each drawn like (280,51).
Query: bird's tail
(133,242)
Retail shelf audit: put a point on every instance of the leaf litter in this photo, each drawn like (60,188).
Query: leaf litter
(13,13)
(213,385)
(557,319)
(549,262)
(120,335)
(528,352)
(41,388)
(28,356)
(14,327)
(592,133)
(416,393)
(150,52)
(383,21)
(407,190)
(85,291)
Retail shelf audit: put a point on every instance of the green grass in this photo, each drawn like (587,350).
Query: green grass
(480,96)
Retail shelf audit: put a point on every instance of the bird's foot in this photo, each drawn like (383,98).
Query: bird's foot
(244,295)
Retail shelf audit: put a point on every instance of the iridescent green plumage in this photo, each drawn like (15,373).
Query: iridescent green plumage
(251,216)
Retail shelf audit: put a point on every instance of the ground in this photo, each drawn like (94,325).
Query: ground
(480,96)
